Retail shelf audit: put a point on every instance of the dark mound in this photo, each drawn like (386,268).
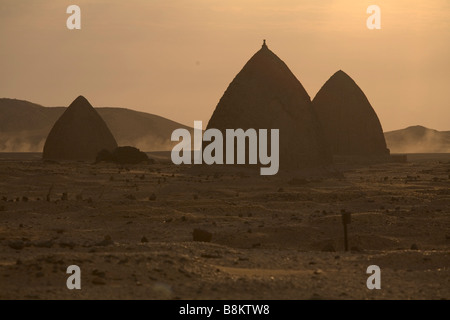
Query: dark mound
(266,95)
(349,123)
(122,155)
(79,134)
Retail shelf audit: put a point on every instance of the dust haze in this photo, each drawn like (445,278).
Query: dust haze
(418,139)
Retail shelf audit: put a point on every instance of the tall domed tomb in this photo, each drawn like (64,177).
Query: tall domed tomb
(79,134)
(349,123)
(265,94)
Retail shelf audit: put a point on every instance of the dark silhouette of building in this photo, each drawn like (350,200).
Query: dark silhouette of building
(79,134)
(265,94)
(349,123)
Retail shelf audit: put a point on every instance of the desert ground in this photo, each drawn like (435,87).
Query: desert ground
(129,228)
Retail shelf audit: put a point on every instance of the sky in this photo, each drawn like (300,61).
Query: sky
(176,58)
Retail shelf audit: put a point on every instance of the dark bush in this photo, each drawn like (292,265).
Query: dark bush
(123,155)
(128,155)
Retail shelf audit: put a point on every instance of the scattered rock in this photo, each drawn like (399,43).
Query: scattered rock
(328,248)
(43,244)
(87,244)
(184,272)
(298,181)
(16,245)
(316,296)
(144,240)
(201,235)
(67,244)
(107,241)
(210,256)
(100,274)
(98,282)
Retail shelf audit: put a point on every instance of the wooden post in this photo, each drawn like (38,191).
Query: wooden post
(345,237)
(346,219)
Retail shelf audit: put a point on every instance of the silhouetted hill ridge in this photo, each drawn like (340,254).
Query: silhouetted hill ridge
(418,139)
(24,126)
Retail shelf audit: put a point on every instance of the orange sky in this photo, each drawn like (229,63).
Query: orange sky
(176,58)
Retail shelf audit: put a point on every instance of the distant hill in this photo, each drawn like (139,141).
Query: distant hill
(418,139)
(24,126)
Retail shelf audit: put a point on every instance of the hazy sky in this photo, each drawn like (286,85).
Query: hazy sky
(176,58)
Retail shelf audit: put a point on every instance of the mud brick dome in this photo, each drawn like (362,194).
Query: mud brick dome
(265,94)
(349,123)
(79,134)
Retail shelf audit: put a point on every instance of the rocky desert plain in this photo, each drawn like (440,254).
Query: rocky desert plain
(130,230)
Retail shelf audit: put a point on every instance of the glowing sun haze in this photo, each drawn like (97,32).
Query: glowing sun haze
(176,58)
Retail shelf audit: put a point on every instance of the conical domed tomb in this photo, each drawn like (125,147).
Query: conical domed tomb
(79,134)
(265,94)
(350,125)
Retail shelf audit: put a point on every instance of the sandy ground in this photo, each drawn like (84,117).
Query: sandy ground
(129,229)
